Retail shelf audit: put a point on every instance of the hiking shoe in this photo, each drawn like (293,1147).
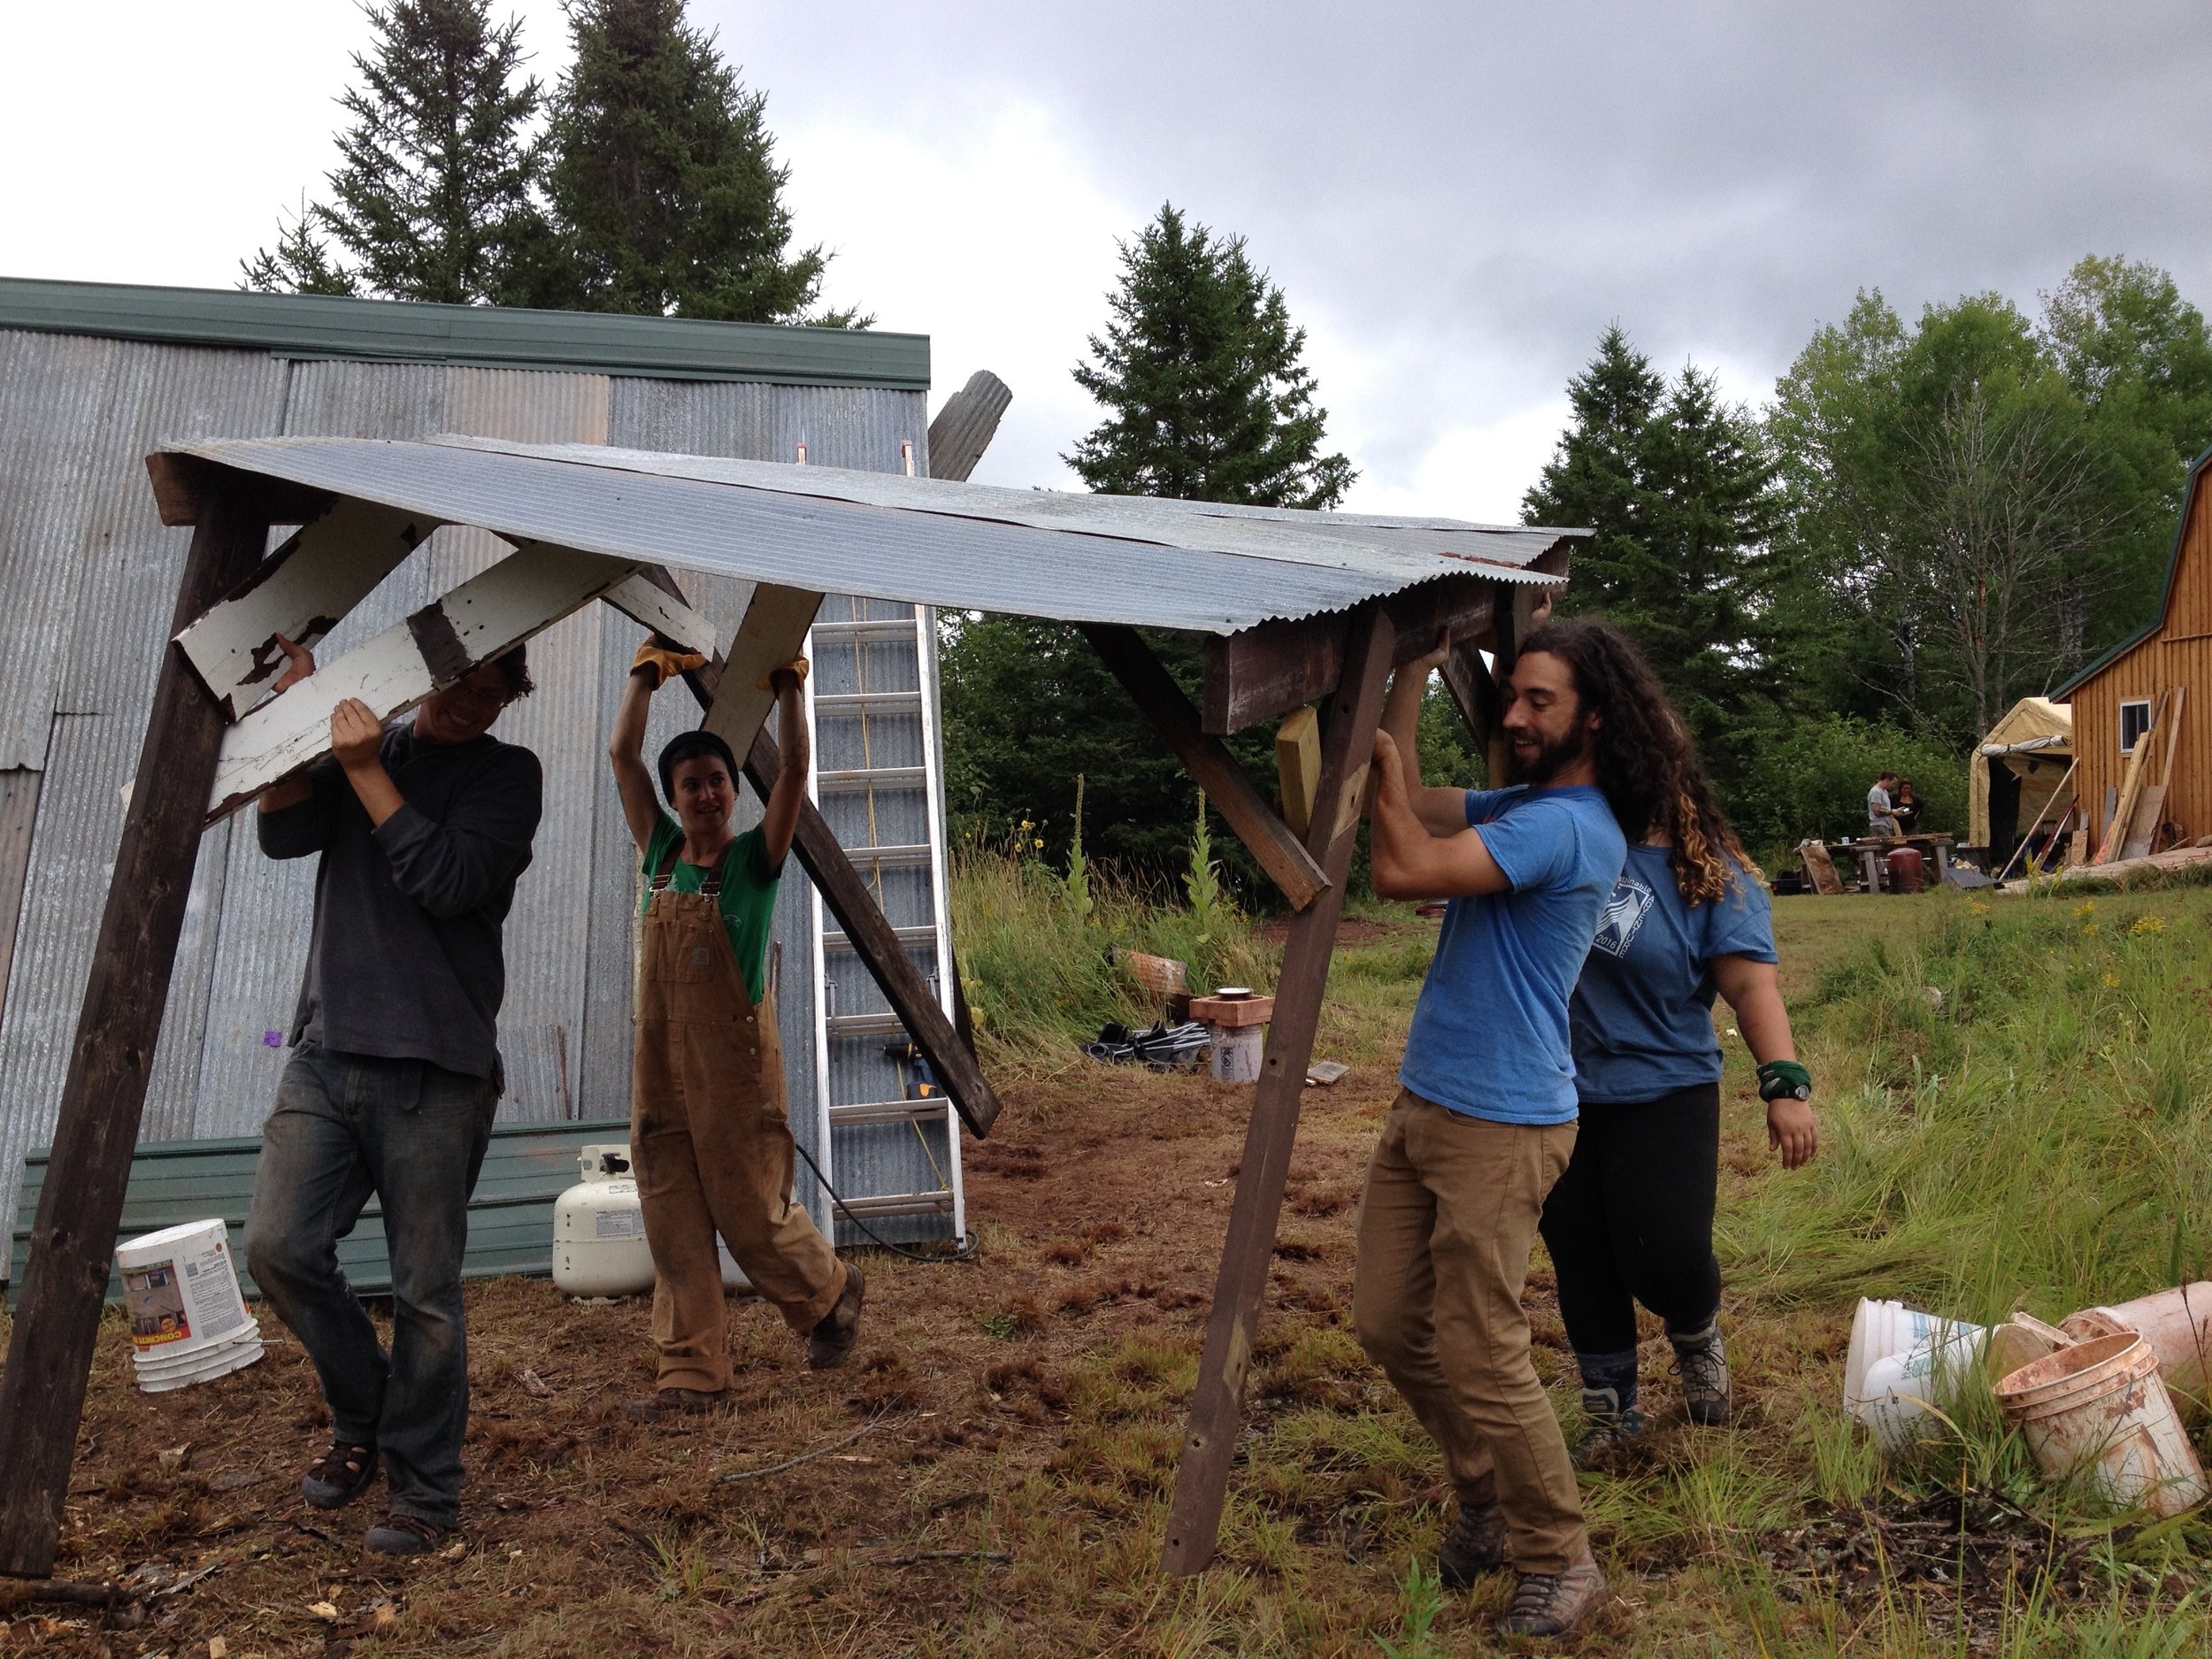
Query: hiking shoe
(1607,1424)
(833,1340)
(1475,1545)
(398,1534)
(1554,1603)
(1707,1390)
(674,1403)
(338,1476)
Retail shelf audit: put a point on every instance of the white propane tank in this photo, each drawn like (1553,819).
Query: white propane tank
(599,1246)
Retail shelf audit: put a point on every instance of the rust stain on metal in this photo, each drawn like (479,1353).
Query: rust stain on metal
(442,652)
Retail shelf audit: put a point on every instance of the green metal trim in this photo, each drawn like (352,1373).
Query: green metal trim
(483,337)
(2197,469)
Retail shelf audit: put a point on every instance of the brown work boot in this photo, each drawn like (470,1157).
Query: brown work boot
(832,1343)
(1475,1546)
(664,1403)
(1554,1603)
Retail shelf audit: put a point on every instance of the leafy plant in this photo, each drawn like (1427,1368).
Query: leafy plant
(1202,882)
(1077,880)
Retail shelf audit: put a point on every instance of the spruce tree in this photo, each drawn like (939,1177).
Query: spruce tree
(432,200)
(666,195)
(1200,370)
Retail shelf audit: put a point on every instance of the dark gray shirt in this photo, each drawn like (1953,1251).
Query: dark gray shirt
(405,960)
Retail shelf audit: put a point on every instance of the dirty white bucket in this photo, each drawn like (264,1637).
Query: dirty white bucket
(2099,1409)
(2178,1324)
(1881,1329)
(2021,1340)
(189,1320)
(1232,1054)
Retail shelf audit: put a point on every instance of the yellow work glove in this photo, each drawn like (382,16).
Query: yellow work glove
(666,661)
(796,666)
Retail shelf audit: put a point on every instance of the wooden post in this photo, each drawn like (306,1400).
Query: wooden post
(42,1393)
(1153,689)
(1202,1479)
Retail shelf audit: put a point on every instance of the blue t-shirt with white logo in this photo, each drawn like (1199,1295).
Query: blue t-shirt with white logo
(1489,1035)
(1643,1010)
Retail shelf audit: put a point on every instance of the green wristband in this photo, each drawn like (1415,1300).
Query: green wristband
(1785,1080)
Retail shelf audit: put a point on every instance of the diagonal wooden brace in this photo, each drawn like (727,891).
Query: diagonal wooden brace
(1257,824)
(846,892)
(1216,1412)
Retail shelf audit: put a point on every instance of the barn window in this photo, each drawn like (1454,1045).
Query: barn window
(2135,719)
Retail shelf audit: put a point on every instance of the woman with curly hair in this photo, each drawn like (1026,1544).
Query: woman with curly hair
(1632,1219)
(1485,1119)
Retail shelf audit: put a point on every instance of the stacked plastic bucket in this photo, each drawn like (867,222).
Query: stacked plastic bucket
(188,1319)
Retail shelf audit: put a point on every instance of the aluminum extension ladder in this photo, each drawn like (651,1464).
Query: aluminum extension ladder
(871,701)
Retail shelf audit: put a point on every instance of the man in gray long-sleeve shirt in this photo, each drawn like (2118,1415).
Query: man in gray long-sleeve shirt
(394,1079)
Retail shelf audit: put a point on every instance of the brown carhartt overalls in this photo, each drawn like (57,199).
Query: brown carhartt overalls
(711,1139)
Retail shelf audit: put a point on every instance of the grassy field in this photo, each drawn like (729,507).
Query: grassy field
(2017,1111)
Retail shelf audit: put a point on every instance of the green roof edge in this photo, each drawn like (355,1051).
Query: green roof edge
(488,336)
(2113,654)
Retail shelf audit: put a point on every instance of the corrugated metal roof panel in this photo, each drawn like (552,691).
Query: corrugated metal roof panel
(1175,565)
(325,326)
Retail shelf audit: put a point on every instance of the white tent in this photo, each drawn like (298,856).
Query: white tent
(2028,751)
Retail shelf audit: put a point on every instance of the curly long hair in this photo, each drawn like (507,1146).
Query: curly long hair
(1647,768)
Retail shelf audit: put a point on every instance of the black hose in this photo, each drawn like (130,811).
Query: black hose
(965,1251)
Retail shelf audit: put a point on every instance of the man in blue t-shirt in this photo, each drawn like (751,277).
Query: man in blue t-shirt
(1485,1120)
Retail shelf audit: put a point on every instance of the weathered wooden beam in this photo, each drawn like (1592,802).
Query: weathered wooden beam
(50,1350)
(965,425)
(641,599)
(1298,765)
(1161,699)
(1277,667)
(769,635)
(846,892)
(524,593)
(183,482)
(1202,1478)
(301,591)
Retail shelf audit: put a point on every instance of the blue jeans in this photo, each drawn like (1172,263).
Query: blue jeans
(346,1126)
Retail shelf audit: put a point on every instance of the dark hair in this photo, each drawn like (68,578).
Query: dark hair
(515,666)
(690,746)
(1880,775)
(1640,745)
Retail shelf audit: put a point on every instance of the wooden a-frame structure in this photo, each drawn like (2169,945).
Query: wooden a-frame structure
(214,739)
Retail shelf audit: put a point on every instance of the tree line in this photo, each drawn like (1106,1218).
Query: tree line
(1928,520)
(644,180)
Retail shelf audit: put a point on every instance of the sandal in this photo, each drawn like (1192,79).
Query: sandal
(339,1476)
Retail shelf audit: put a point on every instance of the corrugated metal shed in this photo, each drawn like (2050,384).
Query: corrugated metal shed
(93,377)
(1192,566)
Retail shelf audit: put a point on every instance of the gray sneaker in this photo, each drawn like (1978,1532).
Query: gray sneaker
(833,1337)
(1475,1546)
(1608,1424)
(1706,1391)
(1554,1603)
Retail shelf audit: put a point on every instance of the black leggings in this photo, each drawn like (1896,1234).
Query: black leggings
(1632,1219)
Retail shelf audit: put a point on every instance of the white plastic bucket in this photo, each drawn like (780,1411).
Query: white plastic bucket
(1882,1329)
(181,1287)
(217,1359)
(1899,1390)
(2099,1409)
(1234,1052)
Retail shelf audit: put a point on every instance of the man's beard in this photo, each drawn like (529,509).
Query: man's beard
(1548,761)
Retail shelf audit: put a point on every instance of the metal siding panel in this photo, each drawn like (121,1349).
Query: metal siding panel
(53,395)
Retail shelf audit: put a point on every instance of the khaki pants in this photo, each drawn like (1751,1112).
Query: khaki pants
(711,1137)
(1445,1230)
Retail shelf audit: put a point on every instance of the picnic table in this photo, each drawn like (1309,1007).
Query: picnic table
(1873,849)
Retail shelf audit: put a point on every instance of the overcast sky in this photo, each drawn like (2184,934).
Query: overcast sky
(1455,198)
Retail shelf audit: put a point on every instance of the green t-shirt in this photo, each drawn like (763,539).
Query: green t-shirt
(749,894)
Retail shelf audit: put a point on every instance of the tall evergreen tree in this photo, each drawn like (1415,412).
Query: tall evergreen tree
(1200,370)
(1679,490)
(666,195)
(432,200)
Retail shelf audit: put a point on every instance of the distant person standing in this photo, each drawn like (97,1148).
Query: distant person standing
(1632,1219)
(422,828)
(1905,807)
(1881,808)
(1485,1118)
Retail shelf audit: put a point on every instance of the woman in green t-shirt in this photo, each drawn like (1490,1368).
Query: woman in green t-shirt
(709,1131)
